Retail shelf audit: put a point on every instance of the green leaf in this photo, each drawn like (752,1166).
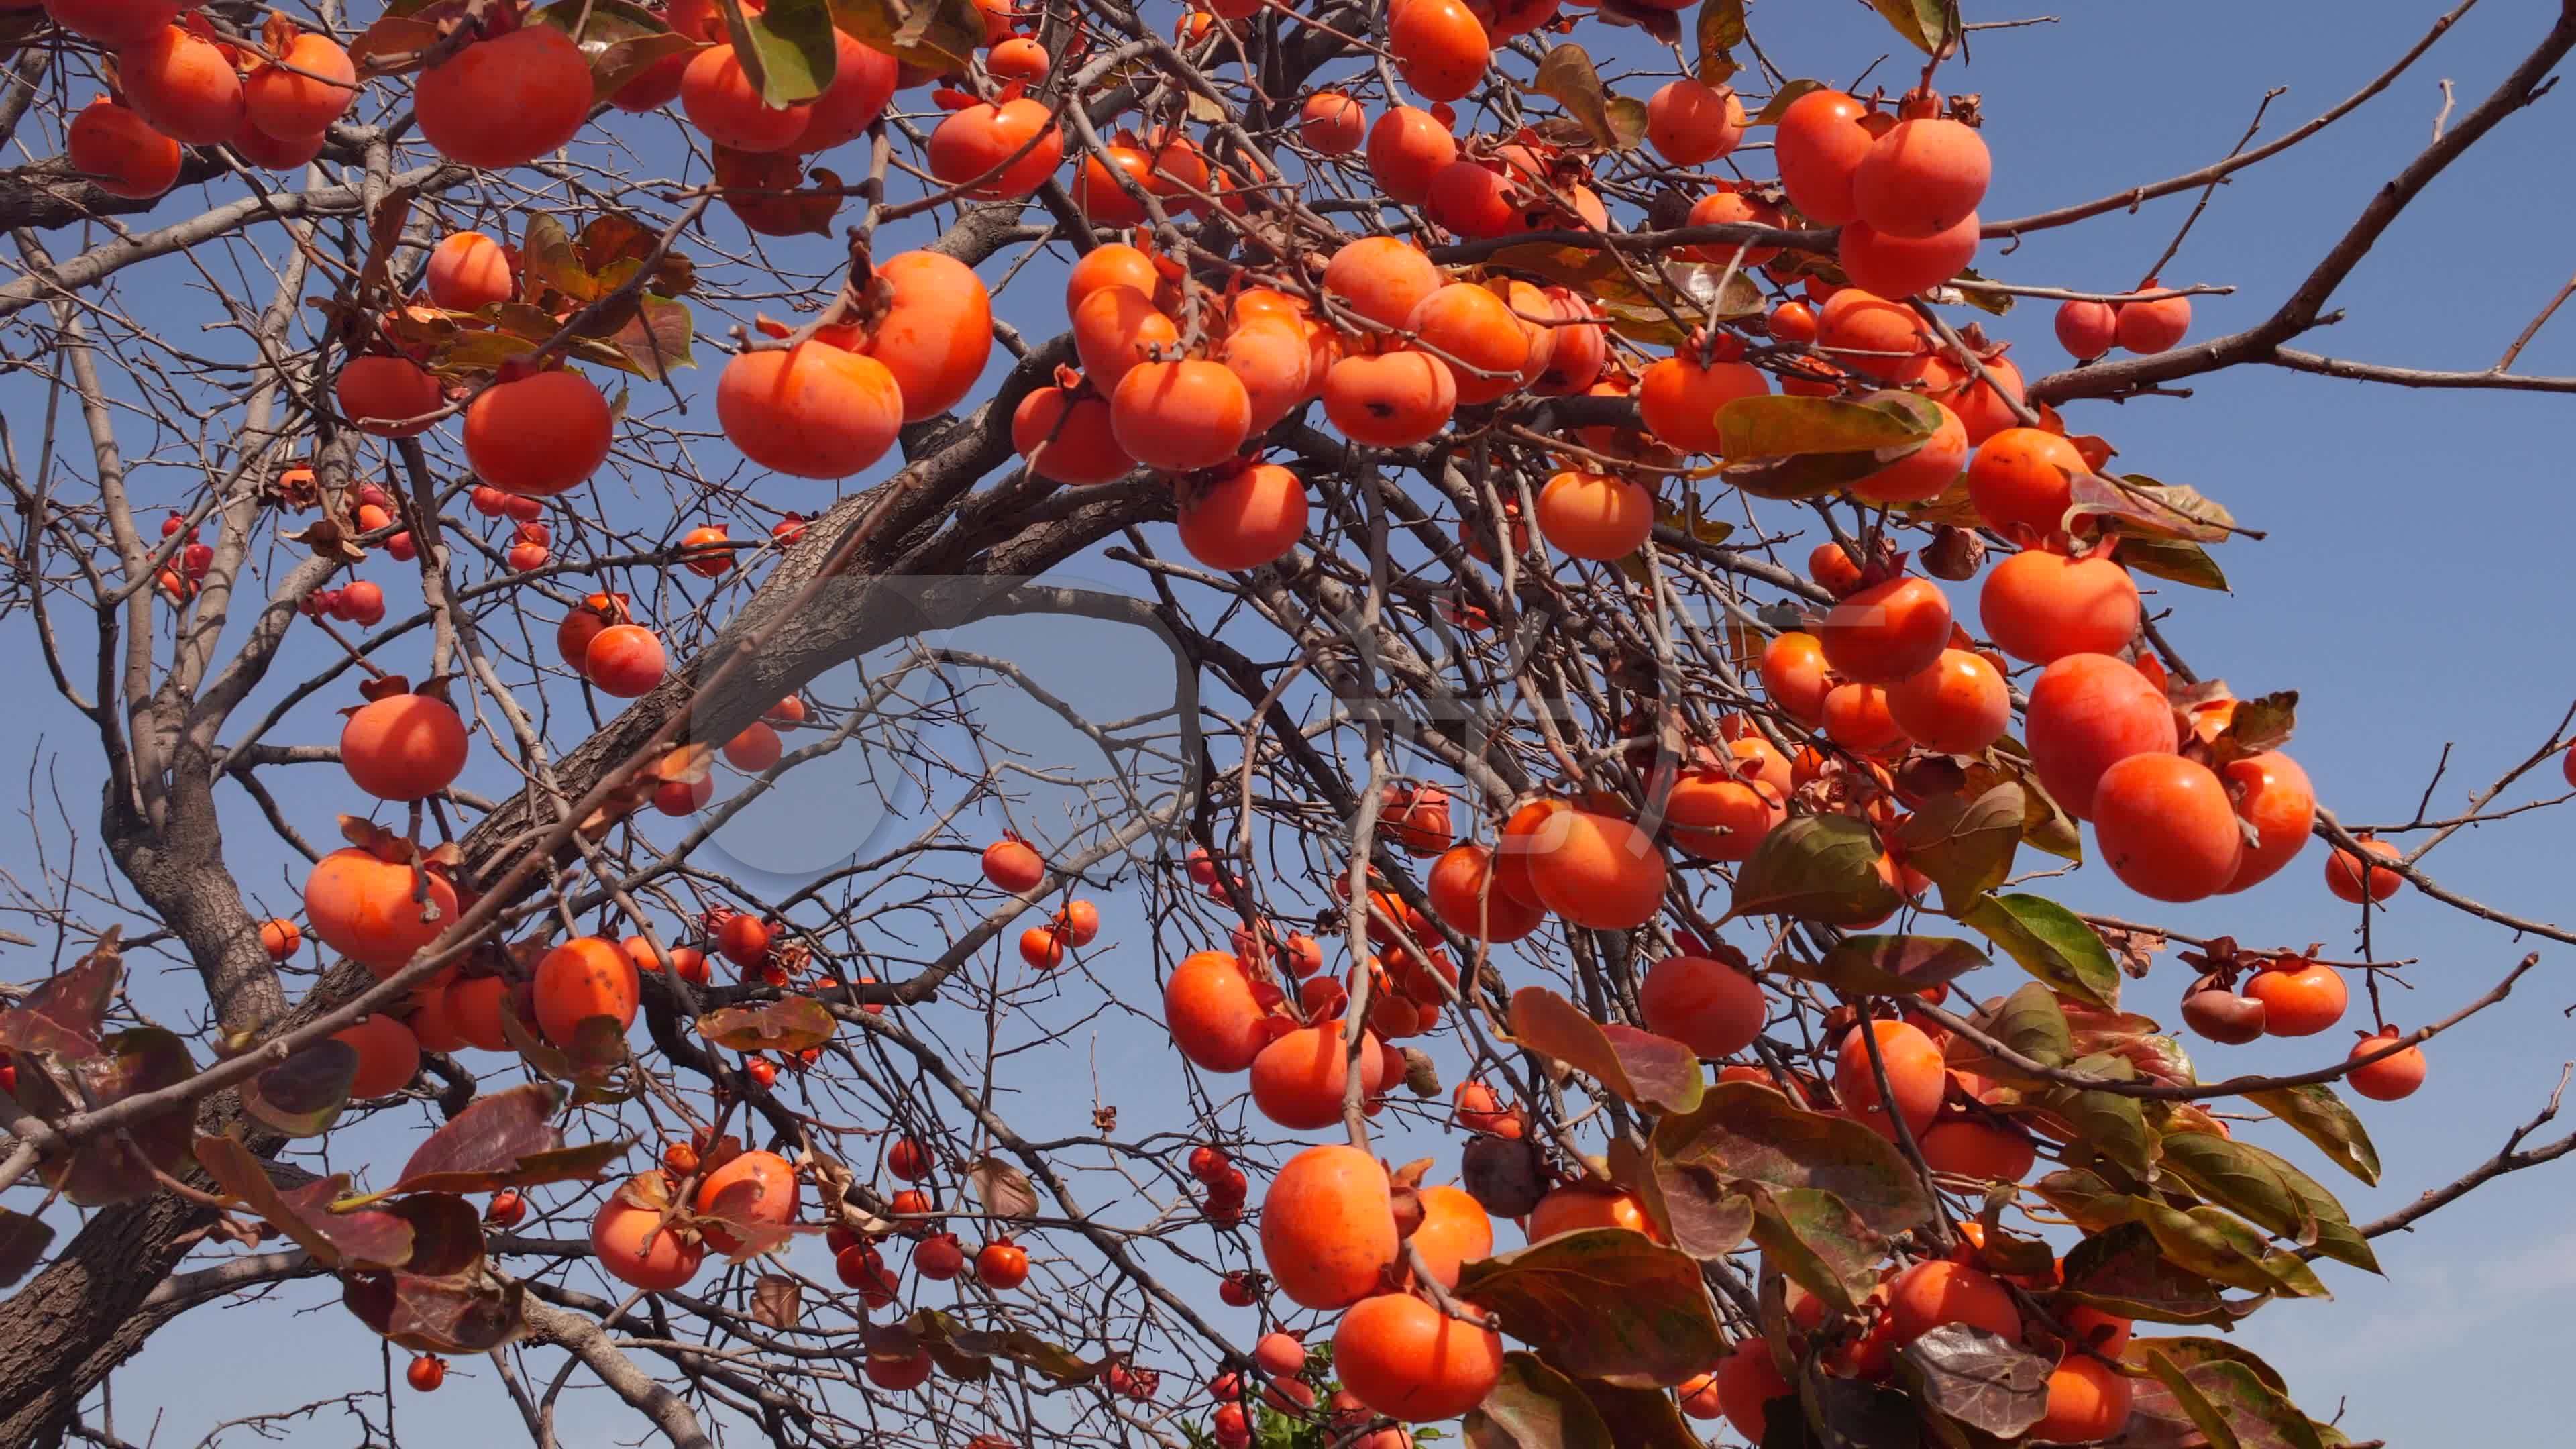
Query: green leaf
(2217,1244)
(1819,1242)
(2121,1270)
(2203,1414)
(1565,75)
(1603,1303)
(2086,1200)
(2316,1113)
(1925,24)
(1534,1407)
(1783,98)
(786,49)
(2050,942)
(1785,448)
(622,40)
(2224,1172)
(789,1024)
(2174,560)
(2111,1124)
(2031,1022)
(1965,843)
(1721,29)
(1887,965)
(1747,1133)
(1816,868)
(2137,506)
(2239,1387)
(1641,1067)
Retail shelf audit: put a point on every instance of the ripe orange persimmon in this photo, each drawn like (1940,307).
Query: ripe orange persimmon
(1461,898)
(1706,1005)
(280,938)
(2349,875)
(430,1023)
(1582,1205)
(1930,1294)
(1273,361)
(1328,1227)
(997,152)
(1440,47)
(1922,177)
(1887,631)
(770,1197)
(1926,472)
(1971,1148)
(1455,1230)
(312,87)
(1747,1382)
(1406,148)
(2155,326)
(183,84)
(363,908)
(2391,1077)
(1402,1357)
(2088,712)
(2018,482)
(1012,865)
(2273,795)
(1382,278)
(1729,207)
(1870,334)
(863,81)
(1065,436)
(1915,1073)
(1116,327)
(1821,144)
(2088,1400)
(1689,123)
(1471,332)
(122,150)
(1097,192)
(724,103)
(634,1246)
(1393,400)
(584,977)
(113,23)
(1180,416)
(388,1055)
(1298,1080)
(1716,816)
(936,332)
(468,271)
(1599,872)
(506,101)
(1955,705)
(1985,406)
(474,1008)
(1856,717)
(2087,329)
(1793,673)
(1894,266)
(810,411)
(1111,264)
(540,435)
(1595,515)
(2300,997)
(754,749)
(1210,1009)
(2166,827)
(1678,399)
(389,397)
(625,660)
(2040,606)
(403,747)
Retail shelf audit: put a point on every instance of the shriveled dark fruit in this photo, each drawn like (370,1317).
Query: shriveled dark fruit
(1503,1174)
(2223,1016)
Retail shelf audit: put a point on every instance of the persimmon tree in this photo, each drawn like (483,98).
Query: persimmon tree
(1637,653)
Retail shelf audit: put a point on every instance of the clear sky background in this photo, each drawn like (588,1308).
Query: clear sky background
(2410,590)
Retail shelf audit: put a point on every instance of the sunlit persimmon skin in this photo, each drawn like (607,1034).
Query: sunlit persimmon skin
(1602,872)
(1794,675)
(475,1006)
(1706,1005)
(1096,190)
(2155,326)
(1887,631)
(1111,264)
(810,411)
(1467,323)
(388,1055)
(1678,400)
(2018,481)
(968,146)
(1983,410)
(635,1248)
(1716,816)
(1271,360)
(1116,328)
(1180,416)
(1381,278)
(364,909)
(774,1202)
(468,271)
(1393,400)
(2166,828)
(120,148)
(2040,606)
(1930,1294)
(1596,516)
(625,660)
(1902,266)
(403,747)
(113,23)
(2300,997)
(1856,717)
(1531,831)
(506,101)
(1440,48)
(1926,472)
(1472,199)
(863,81)
(1209,1007)
(1971,1148)
(1460,897)
(1820,147)
(1298,1080)
(1914,1071)
(1066,437)
(1689,123)
(1406,148)
(2087,329)
(1455,1230)
(2274,795)
(389,397)
(183,84)
(540,435)
(725,104)
(1589,1205)
(585,977)
(1747,1382)
(2088,712)
(2348,876)
(2392,1077)
(936,333)
(1328,1227)
(1956,705)
(1924,176)
(1332,124)
(2087,1400)
(1408,1360)
(1870,334)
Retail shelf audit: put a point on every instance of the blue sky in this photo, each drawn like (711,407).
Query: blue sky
(2408,591)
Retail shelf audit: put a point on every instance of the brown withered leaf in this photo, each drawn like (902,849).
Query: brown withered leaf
(776,1301)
